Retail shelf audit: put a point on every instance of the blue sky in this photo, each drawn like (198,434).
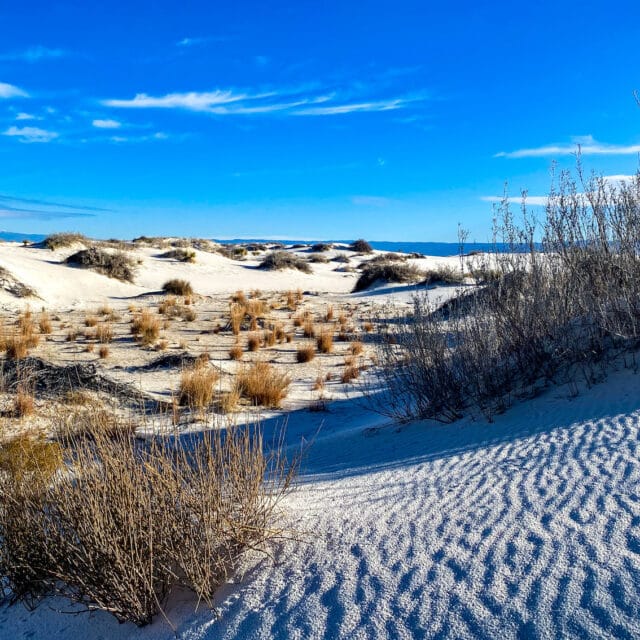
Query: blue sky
(336,119)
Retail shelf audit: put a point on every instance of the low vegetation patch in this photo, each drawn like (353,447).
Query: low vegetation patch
(178,287)
(124,523)
(116,264)
(263,385)
(361,246)
(278,260)
(64,240)
(181,255)
(387,272)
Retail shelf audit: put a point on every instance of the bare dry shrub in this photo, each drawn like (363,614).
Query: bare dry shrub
(263,384)
(145,327)
(197,385)
(63,240)
(126,522)
(178,287)
(16,347)
(558,311)
(115,265)
(305,353)
(278,260)
(387,272)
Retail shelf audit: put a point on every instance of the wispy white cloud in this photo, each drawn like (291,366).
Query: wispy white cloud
(26,116)
(587,145)
(106,124)
(158,135)
(301,101)
(615,180)
(34,54)
(199,40)
(31,134)
(370,201)
(11,91)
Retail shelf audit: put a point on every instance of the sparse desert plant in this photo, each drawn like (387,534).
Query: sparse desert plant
(103,352)
(197,385)
(361,246)
(350,373)
(320,247)
(356,348)
(444,275)
(239,297)
(23,402)
(278,260)
(44,323)
(227,401)
(368,327)
(189,315)
(145,327)
(72,334)
(116,265)
(328,316)
(387,272)
(305,353)
(309,328)
(178,287)
(236,352)
(16,347)
(162,345)
(181,255)
(325,341)
(269,338)
(64,240)
(126,523)
(103,333)
(263,385)
(253,342)
(90,321)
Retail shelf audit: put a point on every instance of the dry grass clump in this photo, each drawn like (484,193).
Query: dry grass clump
(325,341)
(145,327)
(356,348)
(103,333)
(328,316)
(113,264)
(305,353)
(278,260)
(253,342)
(444,275)
(197,385)
(350,373)
(181,255)
(227,401)
(23,402)
(263,385)
(63,240)
(239,297)
(128,522)
(236,317)
(72,334)
(321,247)
(103,352)
(90,321)
(44,323)
(178,287)
(269,338)
(236,352)
(30,460)
(387,272)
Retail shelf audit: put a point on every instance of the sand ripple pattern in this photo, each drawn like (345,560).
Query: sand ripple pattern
(481,533)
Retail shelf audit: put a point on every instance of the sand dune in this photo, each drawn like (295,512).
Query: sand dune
(526,528)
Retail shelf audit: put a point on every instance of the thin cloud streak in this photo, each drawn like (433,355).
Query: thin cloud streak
(46,203)
(20,213)
(586,148)
(33,54)
(296,102)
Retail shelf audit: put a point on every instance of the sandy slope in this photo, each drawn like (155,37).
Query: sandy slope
(526,528)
